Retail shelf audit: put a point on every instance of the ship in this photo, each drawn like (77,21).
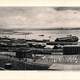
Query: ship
(68,40)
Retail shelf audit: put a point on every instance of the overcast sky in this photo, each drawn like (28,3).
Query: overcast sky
(39,17)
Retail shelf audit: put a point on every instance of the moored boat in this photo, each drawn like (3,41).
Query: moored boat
(69,40)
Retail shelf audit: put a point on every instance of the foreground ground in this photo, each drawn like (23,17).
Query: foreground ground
(55,62)
(65,67)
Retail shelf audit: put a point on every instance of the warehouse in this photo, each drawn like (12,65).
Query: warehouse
(71,50)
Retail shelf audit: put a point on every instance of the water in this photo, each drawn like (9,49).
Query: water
(48,34)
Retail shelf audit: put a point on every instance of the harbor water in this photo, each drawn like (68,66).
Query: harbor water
(42,34)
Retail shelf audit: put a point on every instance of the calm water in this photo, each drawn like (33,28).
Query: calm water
(48,34)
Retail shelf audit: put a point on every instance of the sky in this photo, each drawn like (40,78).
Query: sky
(39,17)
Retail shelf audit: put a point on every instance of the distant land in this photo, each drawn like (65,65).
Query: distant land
(22,29)
(58,29)
(10,30)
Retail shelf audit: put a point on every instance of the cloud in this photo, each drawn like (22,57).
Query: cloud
(39,17)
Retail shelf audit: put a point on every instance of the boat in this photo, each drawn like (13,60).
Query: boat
(69,40)
(41,35)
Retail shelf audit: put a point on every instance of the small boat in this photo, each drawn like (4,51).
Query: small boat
(41,35)
(37,45)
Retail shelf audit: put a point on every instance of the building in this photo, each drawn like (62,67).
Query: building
(71,50)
